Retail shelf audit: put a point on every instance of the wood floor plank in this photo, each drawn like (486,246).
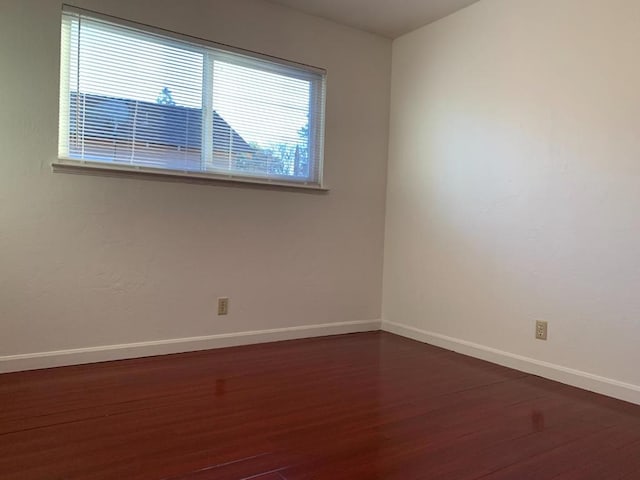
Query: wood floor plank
(350,407)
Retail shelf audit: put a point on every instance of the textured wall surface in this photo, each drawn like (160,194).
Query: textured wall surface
(89,261)
(514,181)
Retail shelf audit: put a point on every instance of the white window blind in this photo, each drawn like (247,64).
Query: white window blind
(137,98)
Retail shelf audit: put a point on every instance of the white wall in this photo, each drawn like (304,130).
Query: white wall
(514,187)
(90,261)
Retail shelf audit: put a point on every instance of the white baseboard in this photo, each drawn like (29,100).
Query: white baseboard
(569,376)
(576,378)
(76,356)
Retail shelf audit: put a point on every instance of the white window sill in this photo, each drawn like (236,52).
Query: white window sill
(64,165)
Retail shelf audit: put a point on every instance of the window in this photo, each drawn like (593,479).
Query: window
(135,98)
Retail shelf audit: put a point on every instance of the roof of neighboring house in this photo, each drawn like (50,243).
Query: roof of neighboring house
(103,117)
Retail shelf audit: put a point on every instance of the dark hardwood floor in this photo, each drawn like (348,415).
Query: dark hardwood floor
(363,406)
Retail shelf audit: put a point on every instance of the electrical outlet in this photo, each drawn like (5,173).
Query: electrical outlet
(223,306)
(541,330)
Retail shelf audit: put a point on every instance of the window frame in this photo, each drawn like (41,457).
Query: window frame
(209,49)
